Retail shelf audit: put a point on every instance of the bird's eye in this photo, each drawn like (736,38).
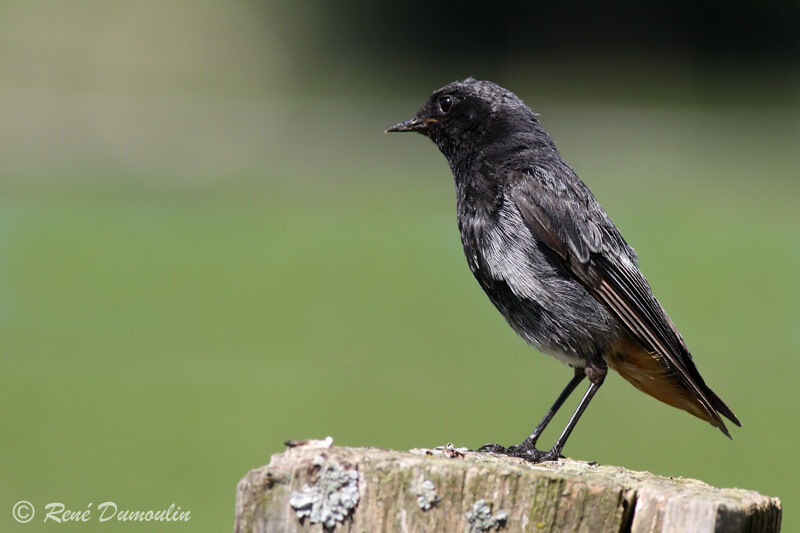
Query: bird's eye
(445,104)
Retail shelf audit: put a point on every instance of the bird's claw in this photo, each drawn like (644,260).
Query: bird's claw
(523,451)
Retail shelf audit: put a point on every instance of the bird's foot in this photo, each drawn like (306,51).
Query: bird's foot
(525,451)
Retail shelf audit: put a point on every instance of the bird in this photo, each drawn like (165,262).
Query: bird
(551,260)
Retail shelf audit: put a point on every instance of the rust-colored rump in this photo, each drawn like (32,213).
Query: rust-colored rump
(645,371)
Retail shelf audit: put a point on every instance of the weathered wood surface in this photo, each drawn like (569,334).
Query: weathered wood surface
(371,490)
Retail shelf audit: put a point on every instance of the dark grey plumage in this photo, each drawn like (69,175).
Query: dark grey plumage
(547,254)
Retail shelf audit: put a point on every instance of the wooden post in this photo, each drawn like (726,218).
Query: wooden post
(315,487)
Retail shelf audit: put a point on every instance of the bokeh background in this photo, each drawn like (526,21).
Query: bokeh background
(208,246)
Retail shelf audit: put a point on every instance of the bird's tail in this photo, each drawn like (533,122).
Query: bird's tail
(645,371)
(719,405)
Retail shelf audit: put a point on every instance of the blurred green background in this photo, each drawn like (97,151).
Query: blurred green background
(208,246)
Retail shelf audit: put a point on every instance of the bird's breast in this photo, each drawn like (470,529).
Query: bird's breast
(541,301)
(499,247)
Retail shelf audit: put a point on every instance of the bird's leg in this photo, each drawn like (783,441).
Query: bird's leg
(597,375)
(596,371)
(530,442)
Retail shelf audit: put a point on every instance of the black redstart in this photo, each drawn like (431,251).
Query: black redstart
(550,259)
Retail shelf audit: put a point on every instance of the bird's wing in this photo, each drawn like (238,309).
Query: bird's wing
(568,220)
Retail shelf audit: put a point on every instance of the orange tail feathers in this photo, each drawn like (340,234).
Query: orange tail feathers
(645,371)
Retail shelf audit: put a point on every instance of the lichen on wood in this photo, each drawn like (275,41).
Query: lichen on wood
(480,518)
(516,496)
(426,495)
(330,498)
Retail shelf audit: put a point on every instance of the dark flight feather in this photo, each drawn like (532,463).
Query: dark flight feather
(593,250)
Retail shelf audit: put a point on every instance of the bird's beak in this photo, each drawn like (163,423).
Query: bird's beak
(413,124)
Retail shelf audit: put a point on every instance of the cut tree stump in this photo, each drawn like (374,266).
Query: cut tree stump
(315,487)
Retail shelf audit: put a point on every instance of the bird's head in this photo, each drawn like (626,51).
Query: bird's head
(470,112)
